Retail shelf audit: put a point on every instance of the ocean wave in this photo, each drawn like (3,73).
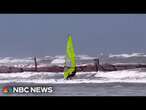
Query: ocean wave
(58,61)
(81,60)
(15,60)
(85,57)
(127,55)
(129,76)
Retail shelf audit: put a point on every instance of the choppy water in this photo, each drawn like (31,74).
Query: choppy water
(139,58)
(116,83)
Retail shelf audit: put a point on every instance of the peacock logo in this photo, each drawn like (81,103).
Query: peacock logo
(7,90)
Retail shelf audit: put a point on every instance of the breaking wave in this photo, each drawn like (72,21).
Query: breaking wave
(60,59)
(128,55)
(129,76)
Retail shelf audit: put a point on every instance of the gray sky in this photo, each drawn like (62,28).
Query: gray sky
(46,34)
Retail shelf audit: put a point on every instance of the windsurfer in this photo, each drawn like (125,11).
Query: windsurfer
(72,74)
(70,60)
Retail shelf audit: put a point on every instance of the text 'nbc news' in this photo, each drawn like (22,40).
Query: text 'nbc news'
(27,89)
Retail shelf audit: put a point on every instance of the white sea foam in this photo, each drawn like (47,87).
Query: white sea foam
(85,57)
(59,57)
(58,61)
(129,76)
(15,60)
(128,55)
(25,74)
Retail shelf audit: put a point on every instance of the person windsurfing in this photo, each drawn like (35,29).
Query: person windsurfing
(70,60)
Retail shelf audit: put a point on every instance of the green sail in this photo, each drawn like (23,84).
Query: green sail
(70,57)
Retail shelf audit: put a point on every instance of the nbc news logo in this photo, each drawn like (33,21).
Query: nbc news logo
(26,89)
